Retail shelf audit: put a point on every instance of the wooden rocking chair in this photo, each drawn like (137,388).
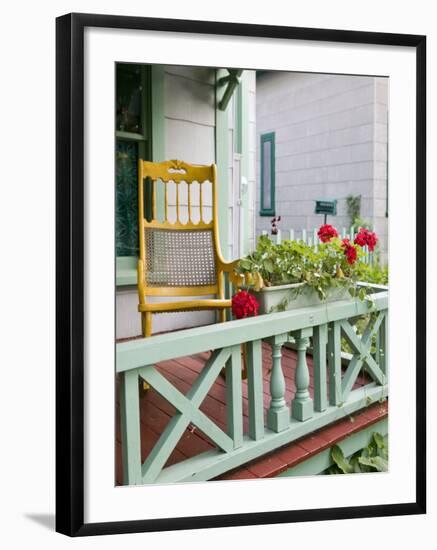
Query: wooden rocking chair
(180,258)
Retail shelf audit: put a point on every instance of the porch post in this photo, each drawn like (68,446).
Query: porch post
(130,427)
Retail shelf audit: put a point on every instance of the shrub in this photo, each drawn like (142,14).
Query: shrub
(373,458)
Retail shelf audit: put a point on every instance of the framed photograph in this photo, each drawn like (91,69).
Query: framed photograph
(240,274)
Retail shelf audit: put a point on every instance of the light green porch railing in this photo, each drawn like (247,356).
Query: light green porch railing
(326,324)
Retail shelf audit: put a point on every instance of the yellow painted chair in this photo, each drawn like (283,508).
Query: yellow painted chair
(180,256)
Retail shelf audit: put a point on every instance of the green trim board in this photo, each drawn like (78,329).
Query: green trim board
(131,355)
(320,462)
(238,99)
(222,162)
(267,204)
(231,81)
(223,151)
(132,136)
(157,107)
(243,144)
(126,270)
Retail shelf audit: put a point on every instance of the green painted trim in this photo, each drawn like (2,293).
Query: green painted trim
(268,211)
(140,356)
(234,398)
(188,406)
(158,127)
(126,270)
(132,354)
(255,390)
(129,136)
(213,463)
(238,98)
(243,123)
(130,428)
(222,162)
(145,148)
(320,462)
(231,81)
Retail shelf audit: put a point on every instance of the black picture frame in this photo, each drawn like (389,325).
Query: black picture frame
(70,272)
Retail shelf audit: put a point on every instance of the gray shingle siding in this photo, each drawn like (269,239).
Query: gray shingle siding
(331,141)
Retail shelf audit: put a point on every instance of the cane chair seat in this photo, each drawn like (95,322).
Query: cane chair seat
(179,258)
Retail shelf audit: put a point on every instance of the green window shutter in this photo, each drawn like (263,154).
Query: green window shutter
(267,206)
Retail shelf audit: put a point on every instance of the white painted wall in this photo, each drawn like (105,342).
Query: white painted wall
(331,141)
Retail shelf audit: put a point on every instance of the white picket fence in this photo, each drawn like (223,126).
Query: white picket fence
(310,237)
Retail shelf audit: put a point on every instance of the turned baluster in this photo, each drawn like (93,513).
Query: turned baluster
(278,415)
(302,405)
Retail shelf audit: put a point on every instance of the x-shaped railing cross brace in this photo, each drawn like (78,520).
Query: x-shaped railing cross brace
(188,411)
(362,354)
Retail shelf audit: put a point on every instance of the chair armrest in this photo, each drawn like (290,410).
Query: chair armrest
(229,267)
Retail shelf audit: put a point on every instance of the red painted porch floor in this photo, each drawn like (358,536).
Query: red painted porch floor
(156,412)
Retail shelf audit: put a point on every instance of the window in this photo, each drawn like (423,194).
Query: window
(133,141)
(267,205)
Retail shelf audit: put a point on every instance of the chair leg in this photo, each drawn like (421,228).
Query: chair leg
(146,325)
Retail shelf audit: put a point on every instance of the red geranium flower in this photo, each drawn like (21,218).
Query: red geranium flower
(365,237)
(350,251)
(326,233)
(244,305)
(360,238)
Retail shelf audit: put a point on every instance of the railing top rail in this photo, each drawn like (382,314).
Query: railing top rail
(149,351)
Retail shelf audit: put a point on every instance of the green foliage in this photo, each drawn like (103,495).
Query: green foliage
(373,458)
(319,268)
(374,274)
(360,222)
(353,205)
